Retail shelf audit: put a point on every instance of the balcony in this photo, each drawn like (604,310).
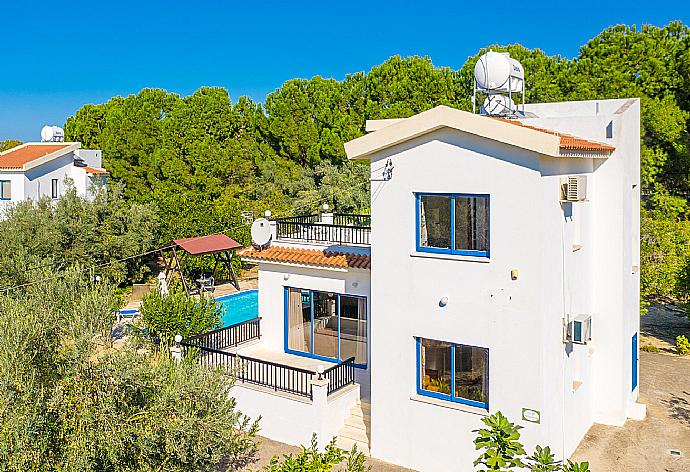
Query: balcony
(231,349)
(327,228)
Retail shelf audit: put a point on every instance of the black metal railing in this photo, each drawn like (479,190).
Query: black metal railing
(346,219)
(340,375)
(229,336)
(304,228)
(277,377)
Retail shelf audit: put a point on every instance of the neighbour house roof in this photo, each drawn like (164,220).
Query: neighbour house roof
(387,133)
(211,244)
(29,155)
(96,170)
(311,257)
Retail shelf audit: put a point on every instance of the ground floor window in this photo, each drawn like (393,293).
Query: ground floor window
(326,325)
(454,372)
(5,190)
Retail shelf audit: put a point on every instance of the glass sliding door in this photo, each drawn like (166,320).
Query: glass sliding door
(353,328)
(326,325)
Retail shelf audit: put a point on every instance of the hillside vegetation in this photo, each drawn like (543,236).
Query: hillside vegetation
(203,159)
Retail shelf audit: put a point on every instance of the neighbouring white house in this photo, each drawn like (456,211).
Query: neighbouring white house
(498,271)
(41,169)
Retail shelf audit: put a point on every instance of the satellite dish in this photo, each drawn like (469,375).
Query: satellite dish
(499,105)
(52,134)
(498,72)
(261,232)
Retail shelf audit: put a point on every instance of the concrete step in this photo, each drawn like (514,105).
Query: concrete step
(346,444)
(360,413)
(357,422)
(355,434)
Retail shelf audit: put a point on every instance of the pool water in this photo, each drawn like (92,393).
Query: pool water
(239,307)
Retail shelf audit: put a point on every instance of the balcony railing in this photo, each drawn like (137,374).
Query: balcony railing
(207,348)
(345,229)
(229,336)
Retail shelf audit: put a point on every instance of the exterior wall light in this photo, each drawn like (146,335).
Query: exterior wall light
(319,370)
(286,276)
(355,284)
(178,339)
(267,213)
(325,207)
(514,274)
(443,302)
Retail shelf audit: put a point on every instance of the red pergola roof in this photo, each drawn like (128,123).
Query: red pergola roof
(207,244)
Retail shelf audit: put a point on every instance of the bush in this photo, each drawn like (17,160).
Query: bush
(311,460)
(682,346)
(503,451)
(164,317)
(649,348)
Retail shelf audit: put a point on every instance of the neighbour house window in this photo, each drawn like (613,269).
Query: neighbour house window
(326,325)
(54,188)
(453,224)
(453,372)
(5,189)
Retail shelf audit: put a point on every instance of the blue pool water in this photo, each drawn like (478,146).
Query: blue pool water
(239,307)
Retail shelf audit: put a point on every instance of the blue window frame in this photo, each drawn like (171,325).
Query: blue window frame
(325,325)
(634,361)
(453,372)
(452,223)
(5,190)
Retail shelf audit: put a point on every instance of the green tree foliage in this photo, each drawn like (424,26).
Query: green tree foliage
(312,460)
(164,317)
(9,144)
(69,401)
(75,231)
(204,159)
(502,450)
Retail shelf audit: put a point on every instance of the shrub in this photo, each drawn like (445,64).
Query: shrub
(164,317)
(682,346)
(311,460)
(502,450)
(649,348)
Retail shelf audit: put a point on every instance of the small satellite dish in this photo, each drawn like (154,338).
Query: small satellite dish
(52,134)
(261,232)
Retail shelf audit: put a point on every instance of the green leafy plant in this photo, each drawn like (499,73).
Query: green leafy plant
(500,444)
(312,460)
(682,345)
(503,451)
(649,348)
(164,317)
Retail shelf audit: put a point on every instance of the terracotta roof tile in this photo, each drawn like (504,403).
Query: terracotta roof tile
(96,170)
(568,142)
(16,157)
(315,257)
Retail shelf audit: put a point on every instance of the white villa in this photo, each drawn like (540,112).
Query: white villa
(498,271)
(35,170)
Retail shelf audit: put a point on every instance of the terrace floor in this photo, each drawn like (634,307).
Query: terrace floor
(258,351)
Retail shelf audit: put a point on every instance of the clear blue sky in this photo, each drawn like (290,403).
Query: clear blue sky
(56,56)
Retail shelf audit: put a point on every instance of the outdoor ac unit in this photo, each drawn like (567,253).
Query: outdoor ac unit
(574,188)
(579,330)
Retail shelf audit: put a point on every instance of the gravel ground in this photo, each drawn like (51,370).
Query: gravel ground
(644,446)
(661,325)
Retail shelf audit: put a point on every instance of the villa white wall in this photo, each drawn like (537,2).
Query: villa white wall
(272,283)
(519,321)
(39,179)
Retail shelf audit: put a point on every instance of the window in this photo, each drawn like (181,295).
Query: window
(54,188)
(453,224)
(453,372)
(5,190)
(326,325)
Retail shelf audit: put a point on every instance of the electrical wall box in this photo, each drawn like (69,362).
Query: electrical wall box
(578,330)
(574,188)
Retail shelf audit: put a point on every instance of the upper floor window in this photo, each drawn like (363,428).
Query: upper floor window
(5,190)
(54,188)
(453,224)
(453,372)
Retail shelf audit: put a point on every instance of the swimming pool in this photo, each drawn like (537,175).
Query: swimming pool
(239,307)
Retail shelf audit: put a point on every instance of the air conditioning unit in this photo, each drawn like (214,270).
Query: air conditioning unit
(574,188)
(579,330)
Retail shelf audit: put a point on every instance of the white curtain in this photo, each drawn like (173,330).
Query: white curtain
(296,338)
